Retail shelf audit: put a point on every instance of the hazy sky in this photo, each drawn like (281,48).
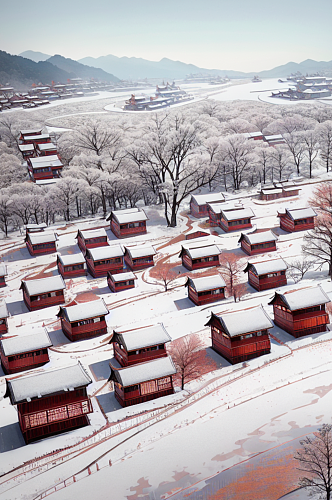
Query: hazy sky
(223,34)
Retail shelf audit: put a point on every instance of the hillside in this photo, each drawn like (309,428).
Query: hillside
(81,70)
(35,56)
(20,72)
(135,68)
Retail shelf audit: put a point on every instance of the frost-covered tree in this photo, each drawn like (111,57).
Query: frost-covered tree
(65,194)
(237,156)
(11,169)
(310,147)
(324,135)
(280,162)
(171,160)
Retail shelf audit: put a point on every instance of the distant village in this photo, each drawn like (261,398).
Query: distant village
(306,87)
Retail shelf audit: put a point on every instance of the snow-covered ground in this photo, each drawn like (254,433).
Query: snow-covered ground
(161,448)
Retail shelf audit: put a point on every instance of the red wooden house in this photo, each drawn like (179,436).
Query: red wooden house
(255,243)
(47,149)
(142,382)
(83,321)
(278,190)
(91,238)
(140,345)
(27,150)
(105,259)
(44,292)
(128,222)
(235,220)
(297,219)
(72,265)
(3,317)
(241,335)
(200,256)
(121,281)
(139,257)
(199,203)
(267,274)
(301,312)
(36,139)
(29,133)
(215,210)
(44,167)
(35,228)
(50,402)
(206,289)
(3,274)
(40,243)
(23,352)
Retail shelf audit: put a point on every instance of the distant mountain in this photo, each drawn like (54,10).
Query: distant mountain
(20,72)
(81,70)
(133,68)
(35,56)
(136,68)
(305,67)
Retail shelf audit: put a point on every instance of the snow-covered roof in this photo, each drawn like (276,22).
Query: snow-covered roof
(36,227)
(291,188)
(105,252)
(141,251)
(301,213)
(256,238)
(26,147)
(41,237)
(92,233)
(44,285)
(3,310)
(128,215)
(49,382)
(122,276)
(272,191)
(200,252)
(46,147)
(143,337)
(244,213)
(244,321)
(87,310)
(207,282)
(267,266)
(25,343)
(202,199)
(74,258)
(31,132)
(273,137)
(303,298)
(143,372)
(3,269)
(36,137)
(46,161)
(217,208)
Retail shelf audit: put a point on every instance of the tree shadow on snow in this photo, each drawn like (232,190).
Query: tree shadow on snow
(11,437)
(108,402)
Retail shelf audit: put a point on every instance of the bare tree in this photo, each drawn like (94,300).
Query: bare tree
(231,270)
(279,161)
(237,155)
(6,212)
(296,147)
(310,147)
(315,461)
(190,359)
(324,132)
(164,273)
(96,137)
(297,268)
